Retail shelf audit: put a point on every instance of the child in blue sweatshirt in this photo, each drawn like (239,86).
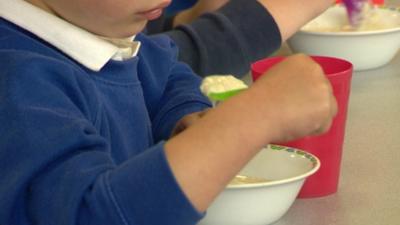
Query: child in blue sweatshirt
(88,106)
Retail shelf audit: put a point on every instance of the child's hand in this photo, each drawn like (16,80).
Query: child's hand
(187,121)
(298,97)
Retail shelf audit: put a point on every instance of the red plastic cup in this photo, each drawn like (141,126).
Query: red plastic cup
(375,2)
(327,147)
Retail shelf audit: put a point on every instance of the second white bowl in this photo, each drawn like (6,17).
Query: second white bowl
(366,49)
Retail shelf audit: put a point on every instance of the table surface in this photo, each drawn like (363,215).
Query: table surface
(369,188)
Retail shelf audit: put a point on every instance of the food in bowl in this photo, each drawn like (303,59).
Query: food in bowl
(373,44)
(335,20)
(283,171)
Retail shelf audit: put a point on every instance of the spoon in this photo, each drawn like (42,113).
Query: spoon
(355,11)
(221,87)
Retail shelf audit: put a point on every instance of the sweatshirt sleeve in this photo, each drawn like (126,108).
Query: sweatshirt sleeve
(229,40)
(56,168)
(181,97)
(172,95)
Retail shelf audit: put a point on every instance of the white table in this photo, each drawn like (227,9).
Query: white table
(369,188)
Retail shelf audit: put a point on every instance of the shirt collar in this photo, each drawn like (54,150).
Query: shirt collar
(86,48)
(127,47)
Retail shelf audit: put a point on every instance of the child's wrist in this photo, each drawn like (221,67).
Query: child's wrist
(260,116)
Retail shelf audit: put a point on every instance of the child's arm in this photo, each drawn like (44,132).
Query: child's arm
(201,7)
(291,15)
(242,31)
(292,100)
(226,41)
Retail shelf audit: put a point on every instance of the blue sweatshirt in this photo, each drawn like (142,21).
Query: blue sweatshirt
(84,147)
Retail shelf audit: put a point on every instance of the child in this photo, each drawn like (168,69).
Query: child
(227,40)
(86,115)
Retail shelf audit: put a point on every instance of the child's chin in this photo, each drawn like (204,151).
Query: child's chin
(125,32)
(133,30)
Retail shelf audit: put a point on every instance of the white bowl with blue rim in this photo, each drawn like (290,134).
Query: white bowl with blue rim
(373,45)
(281,172)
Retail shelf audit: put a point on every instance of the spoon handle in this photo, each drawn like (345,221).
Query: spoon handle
(354,10)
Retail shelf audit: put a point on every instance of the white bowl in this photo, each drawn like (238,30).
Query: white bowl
(365,48)
(265,202)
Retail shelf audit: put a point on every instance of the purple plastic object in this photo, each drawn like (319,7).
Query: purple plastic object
(354,9)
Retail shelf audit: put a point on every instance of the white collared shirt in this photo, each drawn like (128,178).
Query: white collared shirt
(86,48)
